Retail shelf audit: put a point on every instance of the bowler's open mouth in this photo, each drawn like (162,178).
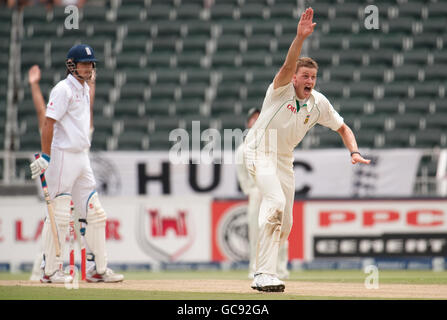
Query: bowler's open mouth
(307,90)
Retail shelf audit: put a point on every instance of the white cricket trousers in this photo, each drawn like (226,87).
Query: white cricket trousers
(254,204)
(69,177)
(275,179)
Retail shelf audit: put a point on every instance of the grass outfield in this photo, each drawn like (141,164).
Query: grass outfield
(20,292)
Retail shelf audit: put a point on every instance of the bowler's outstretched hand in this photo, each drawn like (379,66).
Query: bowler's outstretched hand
(306,26)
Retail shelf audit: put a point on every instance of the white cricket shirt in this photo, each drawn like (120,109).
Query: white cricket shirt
(280,127)
(69,105)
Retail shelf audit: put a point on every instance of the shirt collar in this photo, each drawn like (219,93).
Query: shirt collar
(76,83)
(310,102)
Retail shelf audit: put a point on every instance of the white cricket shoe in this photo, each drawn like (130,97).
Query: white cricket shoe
(57,277)
(108,276)
(268,283)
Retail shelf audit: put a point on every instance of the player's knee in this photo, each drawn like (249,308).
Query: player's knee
(62,208)
(95,212)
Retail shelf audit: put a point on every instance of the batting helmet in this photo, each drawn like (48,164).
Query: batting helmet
(81,53)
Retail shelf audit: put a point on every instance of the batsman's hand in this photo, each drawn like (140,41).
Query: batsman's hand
(34,74)
(306,26)
(357,158)
(39,165)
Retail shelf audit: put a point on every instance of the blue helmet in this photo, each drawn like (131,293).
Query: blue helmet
(81,53)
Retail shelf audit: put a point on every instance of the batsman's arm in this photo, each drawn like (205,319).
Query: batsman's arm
(351,144)
(47,135)
(304,29)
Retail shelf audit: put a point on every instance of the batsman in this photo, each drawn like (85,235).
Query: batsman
(291,107)
(65,163)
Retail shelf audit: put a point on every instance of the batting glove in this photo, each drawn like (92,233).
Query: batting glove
(39,165)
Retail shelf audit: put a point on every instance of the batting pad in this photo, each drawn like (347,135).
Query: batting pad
(95,232)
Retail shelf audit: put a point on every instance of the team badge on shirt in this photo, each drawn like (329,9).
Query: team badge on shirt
(307,119)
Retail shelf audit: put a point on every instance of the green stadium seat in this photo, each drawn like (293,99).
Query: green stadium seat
(436,121)
(135,45)
(263,76)
(127,108)
(165,124)
(252,11)
(22,169)
(139,28)
(93,14)
(222,12)
(199,28)
(391,41)
(321,10)
(129,61)
(189,60)
(347,107)
(228,43)
(351,57)
(169,29)
(328,139)
(231,122)
(397,139)
(162,92)
(162,46)
(167,76)
(103,125)
(233,28)
(342,73)
(440,57)
(133,140)
(331,90)
(360,42)
(407,121)
(348,10)
(381,58)
(223,107)
(419,57)
(258,43)
(32,14)
(103,90)
(322,57)
(325,42)
(417,105)
(159,60)
(437,10)
(188,107)
(401,25)
(159,12)
(396,90)
(265,28)
(373,122)
(129,13)
(427,90)
(342,26)
(406,74)
(254,90)
(188,11)
(256,59)
(228,91)
(372,73)
(362,89)
(434,25)
(233,76)
(386,106)
(193,91)
(30,141)
(159,141)
(441,105)
(139,125)
(425,41)
(223,60)
(154,108)
(252,102)
(435,73)
(411,10)
(283,12)
(198,77)
(194,44)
